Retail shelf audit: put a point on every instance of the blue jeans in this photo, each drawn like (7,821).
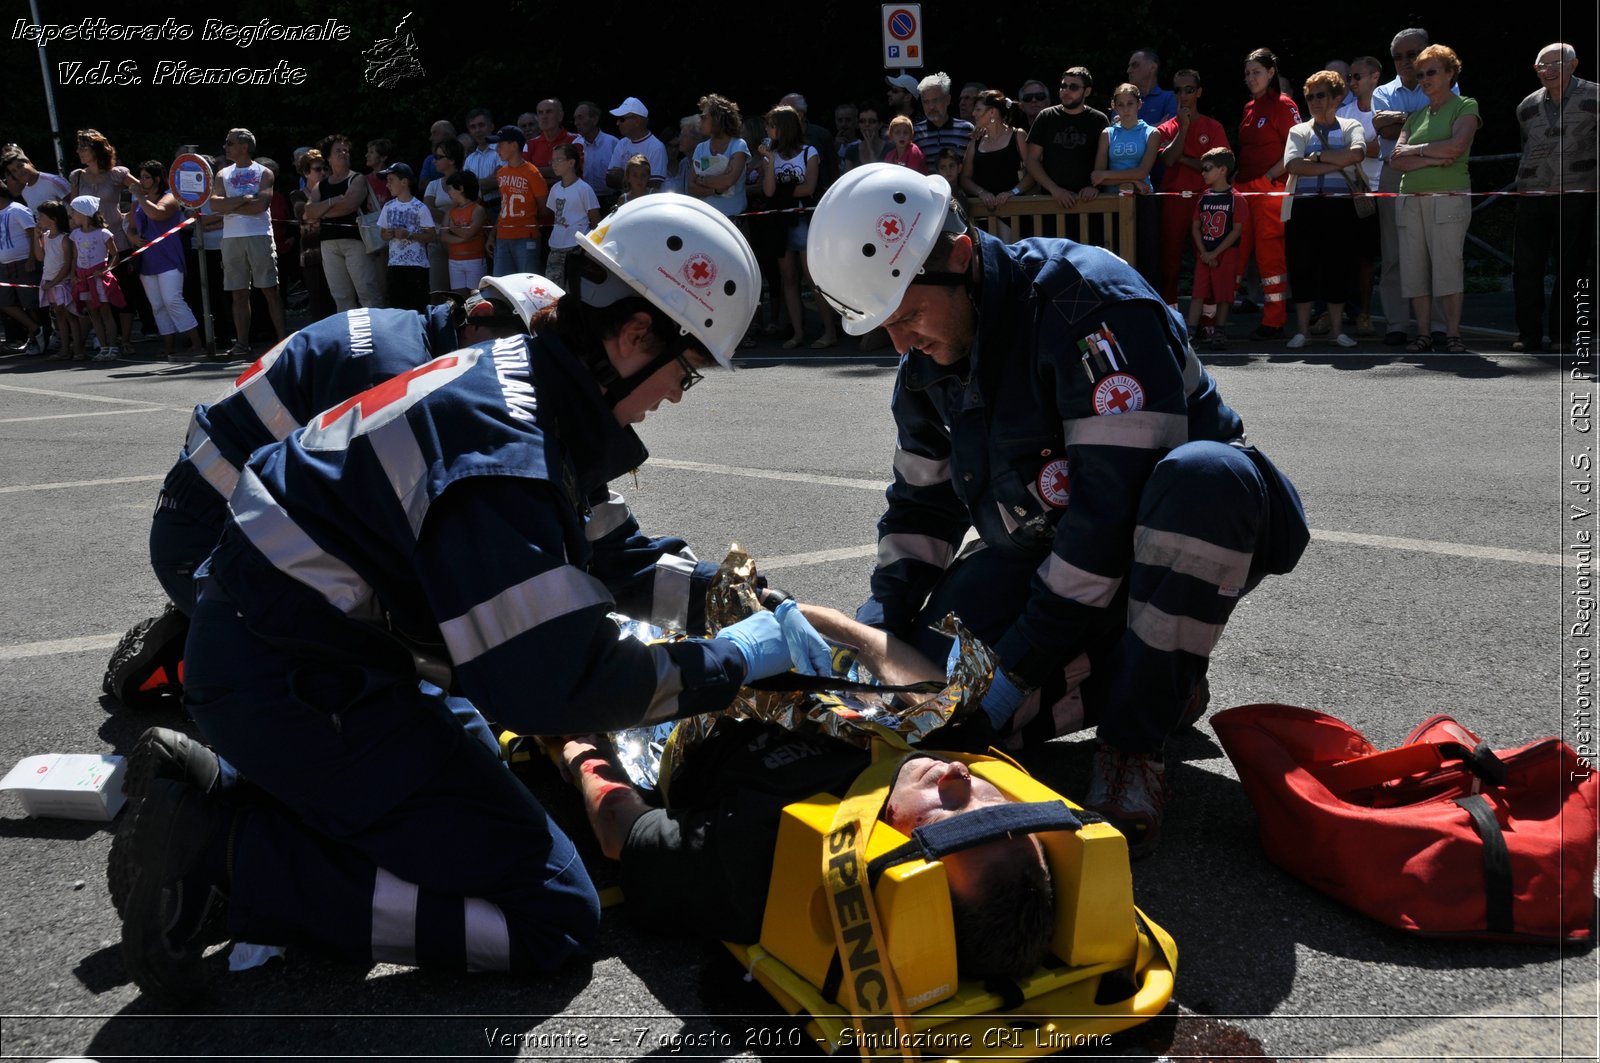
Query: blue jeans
(516,256)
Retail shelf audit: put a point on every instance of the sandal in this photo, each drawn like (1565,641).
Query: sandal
(1420,345)
(824,343)
(1454,345)
(791,343)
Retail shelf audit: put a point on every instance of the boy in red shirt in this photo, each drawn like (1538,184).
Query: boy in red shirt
(1218,229)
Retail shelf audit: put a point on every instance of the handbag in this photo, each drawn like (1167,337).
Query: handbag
(1366,207)
(367,223)
(1441,836)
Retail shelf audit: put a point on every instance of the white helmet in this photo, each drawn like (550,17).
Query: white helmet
(529,293)
(870,235)
(684,257)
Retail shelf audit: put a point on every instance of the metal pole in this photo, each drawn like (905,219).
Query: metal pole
(49,94)
(205,285)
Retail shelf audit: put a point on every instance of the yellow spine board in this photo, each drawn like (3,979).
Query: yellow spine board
(1098,932)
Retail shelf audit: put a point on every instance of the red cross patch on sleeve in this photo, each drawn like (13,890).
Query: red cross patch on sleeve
(1118,393)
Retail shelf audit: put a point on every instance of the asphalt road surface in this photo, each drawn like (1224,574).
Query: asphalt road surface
(1434,582)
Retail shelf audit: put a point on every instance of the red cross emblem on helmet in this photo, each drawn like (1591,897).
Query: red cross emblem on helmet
(891,228)
(699,270)
(1118,393)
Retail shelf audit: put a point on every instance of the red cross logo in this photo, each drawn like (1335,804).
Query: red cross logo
(1118,393)
(891,228)
(700,270)
(1054,486)
(387,393)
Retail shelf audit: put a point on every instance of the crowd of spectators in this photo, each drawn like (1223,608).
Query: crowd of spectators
(515,197)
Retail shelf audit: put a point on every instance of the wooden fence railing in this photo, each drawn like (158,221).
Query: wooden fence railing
(1042,216)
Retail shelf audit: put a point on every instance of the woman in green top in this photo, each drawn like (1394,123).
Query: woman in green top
(1431,155)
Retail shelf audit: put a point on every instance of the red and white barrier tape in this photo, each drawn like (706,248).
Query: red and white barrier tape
(184,224)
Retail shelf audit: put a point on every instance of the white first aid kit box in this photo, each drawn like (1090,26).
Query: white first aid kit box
(68,785)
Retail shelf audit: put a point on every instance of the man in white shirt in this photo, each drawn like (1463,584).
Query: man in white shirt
(597,147)
(633,122)
(483,160)
(242,194)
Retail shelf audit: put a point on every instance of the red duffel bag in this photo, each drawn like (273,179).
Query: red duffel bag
(1441,836)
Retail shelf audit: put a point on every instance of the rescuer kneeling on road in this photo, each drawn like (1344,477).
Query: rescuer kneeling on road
(435,522)
(1048,398)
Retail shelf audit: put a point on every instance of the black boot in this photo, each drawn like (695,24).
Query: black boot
(178,861)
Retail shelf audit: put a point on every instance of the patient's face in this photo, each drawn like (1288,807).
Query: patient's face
(929,788)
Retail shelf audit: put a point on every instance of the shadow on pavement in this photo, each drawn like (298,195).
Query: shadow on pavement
(310,1009)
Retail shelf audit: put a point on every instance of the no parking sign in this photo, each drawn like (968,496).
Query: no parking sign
(190,179)
(902,35)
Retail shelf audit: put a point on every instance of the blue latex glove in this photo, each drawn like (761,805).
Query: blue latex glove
(1003,700)
(811,653)
(761,640)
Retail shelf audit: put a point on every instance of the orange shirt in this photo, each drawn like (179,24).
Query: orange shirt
(522,193)
(467,250)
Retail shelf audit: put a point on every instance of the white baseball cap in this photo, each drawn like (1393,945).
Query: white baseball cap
(903,81)
(631,105)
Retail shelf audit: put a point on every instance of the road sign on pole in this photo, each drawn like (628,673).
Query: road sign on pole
(902,35)
(190,180)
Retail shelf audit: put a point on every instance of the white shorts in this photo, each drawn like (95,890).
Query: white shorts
(465,272)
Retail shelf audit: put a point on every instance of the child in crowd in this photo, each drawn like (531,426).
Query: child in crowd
(95,287)
(407,223)
(636,175)
(1128,147)
(573,204)
(463,236)
(1218,229)
(948,165)
(904,152)
(55,285)
(18,268)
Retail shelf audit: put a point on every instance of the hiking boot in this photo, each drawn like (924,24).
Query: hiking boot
(147,665)
(160,753)
(176,860)
(1130,791)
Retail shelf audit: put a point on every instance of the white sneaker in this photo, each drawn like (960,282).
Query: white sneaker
(1297,341)
(34,345)
(1131,792)
(106,354)
(55,342)
(1343,339)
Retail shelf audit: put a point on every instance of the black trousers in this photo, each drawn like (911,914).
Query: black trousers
(1563,227)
